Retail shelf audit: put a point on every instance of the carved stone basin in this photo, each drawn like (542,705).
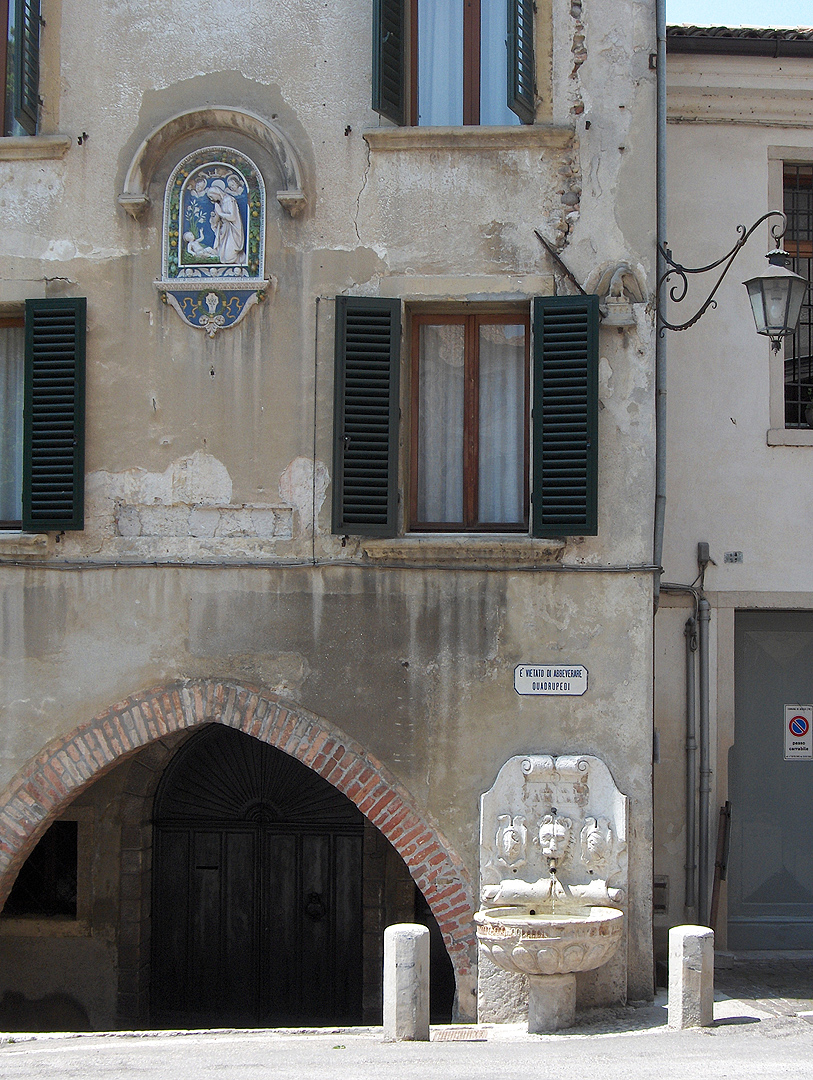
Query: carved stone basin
(545,944)
(549,949)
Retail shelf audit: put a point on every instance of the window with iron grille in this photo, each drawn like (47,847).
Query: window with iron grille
(798,205)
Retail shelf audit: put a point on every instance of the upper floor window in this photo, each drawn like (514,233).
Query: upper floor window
(470,409)
(798,206)
(480,459)
(19,59)
(451,62)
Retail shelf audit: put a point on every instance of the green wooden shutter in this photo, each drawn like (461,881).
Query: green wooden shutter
(389,59)
(521,86)
(26,46)
(54,414)
(565,416)
(365,460)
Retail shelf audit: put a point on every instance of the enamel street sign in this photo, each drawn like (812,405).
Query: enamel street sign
(569,680)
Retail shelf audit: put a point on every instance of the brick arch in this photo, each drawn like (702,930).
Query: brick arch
(68,764)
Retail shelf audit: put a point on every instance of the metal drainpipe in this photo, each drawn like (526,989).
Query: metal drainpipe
(703,617)
(690,900)
(660,267)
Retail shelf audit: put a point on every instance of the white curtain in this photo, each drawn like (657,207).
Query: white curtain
(502,423)
(440,423)
(12,339)
(494,64)
(440,62)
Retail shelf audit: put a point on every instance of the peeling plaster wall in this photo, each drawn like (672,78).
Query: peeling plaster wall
(218,451)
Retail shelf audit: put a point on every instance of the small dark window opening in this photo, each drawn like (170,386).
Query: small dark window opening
(46,885)
(798,189)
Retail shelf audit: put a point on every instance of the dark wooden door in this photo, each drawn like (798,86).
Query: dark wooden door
(256,890)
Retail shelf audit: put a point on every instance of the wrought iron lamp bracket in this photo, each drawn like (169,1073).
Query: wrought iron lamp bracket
(679,288)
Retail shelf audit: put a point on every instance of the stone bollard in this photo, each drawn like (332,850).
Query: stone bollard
(406,982)
(691,976)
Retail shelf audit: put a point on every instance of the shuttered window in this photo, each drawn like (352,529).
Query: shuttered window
(467,63)
(365,464)
(54,414)
(19,59)
(565,416)
(469,440)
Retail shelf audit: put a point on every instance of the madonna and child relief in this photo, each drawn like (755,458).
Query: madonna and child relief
(214,217)
(214,239)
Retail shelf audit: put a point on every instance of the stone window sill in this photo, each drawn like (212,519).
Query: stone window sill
(790,437)
(455,549)
(33,147)
(513,137)
(21,543)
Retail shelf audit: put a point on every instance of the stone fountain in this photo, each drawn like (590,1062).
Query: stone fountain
(553,877)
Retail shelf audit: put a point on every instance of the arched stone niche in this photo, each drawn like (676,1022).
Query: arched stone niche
(135,200)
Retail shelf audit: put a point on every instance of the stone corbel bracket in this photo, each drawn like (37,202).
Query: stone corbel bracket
(135,200)
(618,285)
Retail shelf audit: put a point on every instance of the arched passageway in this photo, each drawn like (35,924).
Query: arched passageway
(69,765)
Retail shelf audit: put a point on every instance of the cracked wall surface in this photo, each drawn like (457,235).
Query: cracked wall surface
(208,550)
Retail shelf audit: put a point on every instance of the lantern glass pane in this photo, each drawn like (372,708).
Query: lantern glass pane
(754,288)
(777,292)
(797,295)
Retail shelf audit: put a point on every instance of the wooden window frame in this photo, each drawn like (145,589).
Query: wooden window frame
(471,321)
(395,60)
(471,62)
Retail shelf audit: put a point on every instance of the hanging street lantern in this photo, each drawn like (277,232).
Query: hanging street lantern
(776,298)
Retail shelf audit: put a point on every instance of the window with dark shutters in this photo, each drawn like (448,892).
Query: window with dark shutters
(54,414)
(396,91)
(565,416)
(365,466)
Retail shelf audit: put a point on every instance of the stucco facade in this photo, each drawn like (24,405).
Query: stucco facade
(739,110)
(208,560)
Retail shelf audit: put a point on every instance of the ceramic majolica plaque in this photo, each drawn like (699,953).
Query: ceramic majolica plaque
(213,263)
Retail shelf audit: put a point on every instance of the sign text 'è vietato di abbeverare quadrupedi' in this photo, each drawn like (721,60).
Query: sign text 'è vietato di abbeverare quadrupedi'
(566,679)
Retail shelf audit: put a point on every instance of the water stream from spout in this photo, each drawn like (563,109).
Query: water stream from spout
(552,890)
